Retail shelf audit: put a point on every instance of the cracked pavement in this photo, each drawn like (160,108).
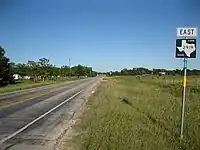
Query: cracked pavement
(43,133)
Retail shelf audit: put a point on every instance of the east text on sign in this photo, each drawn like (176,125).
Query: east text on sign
(187,32)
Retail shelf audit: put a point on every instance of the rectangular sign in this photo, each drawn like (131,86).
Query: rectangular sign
(185,48)
(187,32)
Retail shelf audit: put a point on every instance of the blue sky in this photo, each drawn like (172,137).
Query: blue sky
(104,34)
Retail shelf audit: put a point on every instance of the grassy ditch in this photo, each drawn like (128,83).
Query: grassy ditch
(126,113)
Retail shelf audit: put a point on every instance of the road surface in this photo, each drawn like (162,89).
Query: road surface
(15,94)
(36,123)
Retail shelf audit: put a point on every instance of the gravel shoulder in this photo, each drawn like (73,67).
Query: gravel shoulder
(68,132)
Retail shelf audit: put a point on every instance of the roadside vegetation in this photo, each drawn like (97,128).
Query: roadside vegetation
(36,73)
(42,72)
(130,113)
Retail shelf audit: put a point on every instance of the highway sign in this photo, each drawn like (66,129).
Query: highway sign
(187,32)
(185,48)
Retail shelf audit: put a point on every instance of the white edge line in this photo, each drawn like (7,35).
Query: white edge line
(37,119)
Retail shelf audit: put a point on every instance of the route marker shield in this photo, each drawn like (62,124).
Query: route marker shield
(185,48)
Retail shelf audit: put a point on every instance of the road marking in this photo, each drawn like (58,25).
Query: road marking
(37,119)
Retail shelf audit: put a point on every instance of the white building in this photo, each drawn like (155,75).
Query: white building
(162,73)
(27,77)
(17,77)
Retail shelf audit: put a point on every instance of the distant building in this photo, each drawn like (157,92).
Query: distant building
(162,73)
(17,77)
(27,77)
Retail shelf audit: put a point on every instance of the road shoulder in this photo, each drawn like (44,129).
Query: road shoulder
(68,131)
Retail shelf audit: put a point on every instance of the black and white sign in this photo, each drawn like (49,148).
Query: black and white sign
(185,48)
(187,32)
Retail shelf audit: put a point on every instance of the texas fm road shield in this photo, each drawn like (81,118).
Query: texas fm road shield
(185,48)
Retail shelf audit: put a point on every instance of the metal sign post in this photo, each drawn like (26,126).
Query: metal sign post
(185,48)
(183,98)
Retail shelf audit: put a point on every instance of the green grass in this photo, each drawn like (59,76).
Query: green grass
(27,84)
(126,113)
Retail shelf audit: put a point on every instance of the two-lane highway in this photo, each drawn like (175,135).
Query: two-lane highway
(38,119)
(16,94)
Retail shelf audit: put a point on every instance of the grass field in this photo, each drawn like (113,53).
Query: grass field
(27,84)
(126,113)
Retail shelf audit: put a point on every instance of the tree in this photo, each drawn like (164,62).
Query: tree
(53,71)
(34,70)
(44,64)
(65,71)
(5,75)
(12,67)
(21,69)
(78,70)
(124,71)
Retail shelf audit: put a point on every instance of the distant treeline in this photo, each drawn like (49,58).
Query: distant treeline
(43,70)
(145,71)
(38,70)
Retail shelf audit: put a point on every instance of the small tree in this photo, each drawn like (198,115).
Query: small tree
(44,64)
(5,75)
(34,70)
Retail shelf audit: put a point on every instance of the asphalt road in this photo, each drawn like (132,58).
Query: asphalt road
(15,94)
(37,122)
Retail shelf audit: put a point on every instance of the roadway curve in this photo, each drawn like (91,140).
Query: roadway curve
(36,122)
